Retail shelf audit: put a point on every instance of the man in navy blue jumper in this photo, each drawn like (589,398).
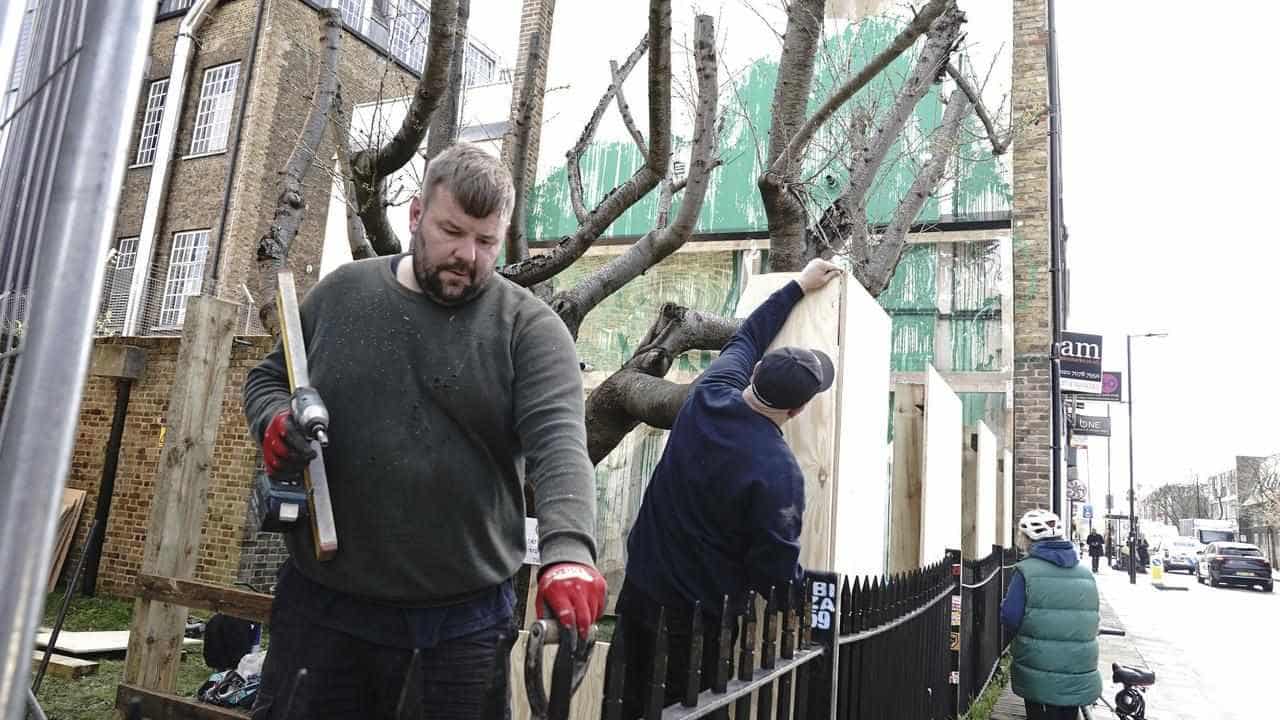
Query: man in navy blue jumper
(722,511)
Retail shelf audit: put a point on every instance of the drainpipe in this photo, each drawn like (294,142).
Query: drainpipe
(245,85)
(1057,250)
(183,54)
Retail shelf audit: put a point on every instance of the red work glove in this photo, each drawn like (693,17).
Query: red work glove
(574,593)
(285,449)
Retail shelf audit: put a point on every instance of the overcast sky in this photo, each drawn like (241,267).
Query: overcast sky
(1169,154)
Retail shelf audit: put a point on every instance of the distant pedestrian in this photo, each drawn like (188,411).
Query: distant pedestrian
(1095,542)
(1052,606)
(1144,552)
(1111,548)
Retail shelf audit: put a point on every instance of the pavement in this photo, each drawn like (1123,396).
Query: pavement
(1212,649)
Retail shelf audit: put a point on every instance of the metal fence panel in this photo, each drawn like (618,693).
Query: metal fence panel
(60,182)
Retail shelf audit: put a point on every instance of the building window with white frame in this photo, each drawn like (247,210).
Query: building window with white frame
(151,122)
(186,275)
(352,13)
(116,292)
(478,67)
(213,116)
(409,33)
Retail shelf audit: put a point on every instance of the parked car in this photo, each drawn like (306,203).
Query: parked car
(1234,564)
(1180,554)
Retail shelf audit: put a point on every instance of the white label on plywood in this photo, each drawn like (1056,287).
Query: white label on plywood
(943,469)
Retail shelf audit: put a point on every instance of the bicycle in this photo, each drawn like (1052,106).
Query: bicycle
(1130,701)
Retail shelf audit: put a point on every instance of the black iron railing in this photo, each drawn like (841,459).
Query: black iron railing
(981,636)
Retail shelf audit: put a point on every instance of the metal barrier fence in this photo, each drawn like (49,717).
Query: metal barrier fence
(982,638)
(911,646)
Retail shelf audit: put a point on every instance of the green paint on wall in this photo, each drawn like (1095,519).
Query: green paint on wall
(733,200)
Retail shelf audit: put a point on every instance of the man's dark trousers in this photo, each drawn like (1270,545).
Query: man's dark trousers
(638,619)
(1037,711)
(349,678)
(1095,563)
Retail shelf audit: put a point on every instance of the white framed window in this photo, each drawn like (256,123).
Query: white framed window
(409,33)
(116,292)
(213,116)
(352,13)
(168,6)
(151,122)
(478,67)
(186,275)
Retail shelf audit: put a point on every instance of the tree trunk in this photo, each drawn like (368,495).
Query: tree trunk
(273,248)
(444,122)
(371,168)
(517,243)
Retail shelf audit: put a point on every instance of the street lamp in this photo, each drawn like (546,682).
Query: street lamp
(1133,520)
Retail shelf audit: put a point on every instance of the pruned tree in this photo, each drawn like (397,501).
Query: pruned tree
(1174,502)
(801,224)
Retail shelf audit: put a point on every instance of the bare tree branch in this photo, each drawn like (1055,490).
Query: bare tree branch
(998,146)
(574,156)
(619,77)
(573,306)
(339,129)
(878,271)
(431,89)
(517,244)
(273,248)
(845,223)
(618,404)
(540,268)
(905,39)
(444,121)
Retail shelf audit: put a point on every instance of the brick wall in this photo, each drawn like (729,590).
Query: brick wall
(234,460)
(1032,284)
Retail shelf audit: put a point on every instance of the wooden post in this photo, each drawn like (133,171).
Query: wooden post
(908,469)
(969,509)
(182,482)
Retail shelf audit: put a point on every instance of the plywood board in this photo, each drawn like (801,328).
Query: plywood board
(62,666)
(860,514)
(813,324)
(908,477)
(940,492)
(68,518)
(586,702)
(1007,521)
(988,489)
(89,643)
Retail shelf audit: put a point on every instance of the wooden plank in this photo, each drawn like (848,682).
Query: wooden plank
(324,530)
(68,519)
(961,382)
(157,705)
(181,490)
(90,643)
(68,668)
(586,702)
(969,507)
(908,477)
(206,596)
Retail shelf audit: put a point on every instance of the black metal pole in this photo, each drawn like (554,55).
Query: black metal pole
(1133,523)
(107,486)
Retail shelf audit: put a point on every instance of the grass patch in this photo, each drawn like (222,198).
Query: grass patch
(986,702)
(94,697)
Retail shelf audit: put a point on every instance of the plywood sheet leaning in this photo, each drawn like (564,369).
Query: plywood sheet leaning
(93,643)
(940,492)
(988,489)
(908,477)
(813,324)
(861,508)
(68,518)
(1007,522)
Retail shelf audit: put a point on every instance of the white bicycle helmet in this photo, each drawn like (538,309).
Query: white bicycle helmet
(1040,525)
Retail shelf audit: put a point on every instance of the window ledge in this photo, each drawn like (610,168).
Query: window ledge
(135,166)
(204,155)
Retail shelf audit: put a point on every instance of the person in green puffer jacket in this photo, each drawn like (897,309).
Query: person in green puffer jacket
(1052,606)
